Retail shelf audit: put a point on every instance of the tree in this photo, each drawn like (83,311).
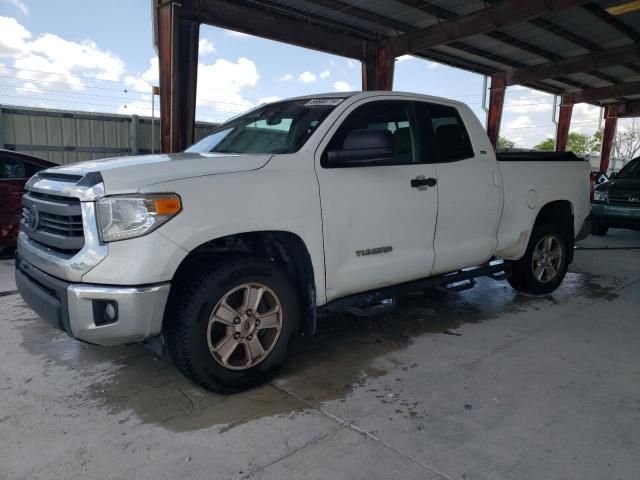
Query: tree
(505,144)
(627,142)
(595,142)
(577,143)
(547,145)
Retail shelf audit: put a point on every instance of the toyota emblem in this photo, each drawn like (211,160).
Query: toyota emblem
(34,218)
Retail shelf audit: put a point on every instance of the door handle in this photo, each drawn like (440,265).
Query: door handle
(423,182)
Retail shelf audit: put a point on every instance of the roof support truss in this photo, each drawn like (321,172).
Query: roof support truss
(580,63)
(484,20)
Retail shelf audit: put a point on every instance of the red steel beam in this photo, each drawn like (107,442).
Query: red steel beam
(564,122)
(496,103)
(611,119)
(377,71)
(178,59)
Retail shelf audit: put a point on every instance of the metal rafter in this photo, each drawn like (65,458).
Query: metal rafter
(604,93)
(481,21)
(580,63)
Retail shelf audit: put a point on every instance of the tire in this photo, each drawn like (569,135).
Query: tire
(201,344)
(600,229)
(542,274)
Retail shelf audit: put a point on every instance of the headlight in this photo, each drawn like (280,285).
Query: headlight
(600,196)
(130,216)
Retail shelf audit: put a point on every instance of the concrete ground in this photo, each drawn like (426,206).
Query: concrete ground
(485,384)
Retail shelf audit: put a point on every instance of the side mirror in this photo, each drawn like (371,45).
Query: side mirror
(363,147)
(613,175)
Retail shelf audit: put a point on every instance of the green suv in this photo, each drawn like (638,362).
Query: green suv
(617,203)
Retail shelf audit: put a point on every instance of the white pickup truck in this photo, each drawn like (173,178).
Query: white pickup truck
(315,204)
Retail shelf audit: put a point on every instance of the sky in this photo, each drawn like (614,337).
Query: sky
(98,56)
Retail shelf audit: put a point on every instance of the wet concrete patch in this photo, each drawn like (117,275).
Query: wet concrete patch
(343,356)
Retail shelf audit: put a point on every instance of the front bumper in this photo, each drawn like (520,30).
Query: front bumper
(78,308)
(616,214)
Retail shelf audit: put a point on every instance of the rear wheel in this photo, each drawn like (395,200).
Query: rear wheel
(231,327)
(544,264)
(599,228)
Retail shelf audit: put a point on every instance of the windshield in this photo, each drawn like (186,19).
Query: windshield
(631,169)
(281,127)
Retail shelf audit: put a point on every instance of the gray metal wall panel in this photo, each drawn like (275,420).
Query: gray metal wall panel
(56,134)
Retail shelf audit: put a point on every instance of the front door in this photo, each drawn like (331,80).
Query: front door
(378,225)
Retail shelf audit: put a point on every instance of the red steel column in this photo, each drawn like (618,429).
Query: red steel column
(178,59)
(611,119)
(564,122)
(496,102)
(377,72)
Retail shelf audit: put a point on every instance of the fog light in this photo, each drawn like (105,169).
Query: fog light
(110,311)
(105,312)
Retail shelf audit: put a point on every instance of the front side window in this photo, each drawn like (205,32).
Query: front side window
(281,127)
(12,168)
(630,170)
(393,119)
(451,137)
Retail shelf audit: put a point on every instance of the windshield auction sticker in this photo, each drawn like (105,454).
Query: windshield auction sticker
(327,101)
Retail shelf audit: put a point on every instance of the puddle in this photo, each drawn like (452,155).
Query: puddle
(341,357)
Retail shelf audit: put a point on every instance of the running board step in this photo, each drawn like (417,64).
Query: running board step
(459,286)
(382,306)
(384,299)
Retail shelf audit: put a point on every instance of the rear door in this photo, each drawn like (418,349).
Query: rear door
(469,189)
(378,228)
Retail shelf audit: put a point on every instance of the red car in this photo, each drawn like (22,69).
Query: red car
(15,170)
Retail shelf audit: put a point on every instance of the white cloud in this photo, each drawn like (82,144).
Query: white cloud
(233,33)
(404,58)
(13,37)
(269,99)
(205,47)
(520,122)
(325,74)
(221,85)
(307,77)
(50,60)
(85,56)
(219,91)
(584,118)
(341,86)
(22,7)
(29,89)
(431,65)
(143,83)
(528,104)
(286,77)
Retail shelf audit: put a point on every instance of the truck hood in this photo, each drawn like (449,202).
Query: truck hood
(130,174)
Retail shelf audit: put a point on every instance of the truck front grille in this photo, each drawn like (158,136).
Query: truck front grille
(54,221)
(622,197)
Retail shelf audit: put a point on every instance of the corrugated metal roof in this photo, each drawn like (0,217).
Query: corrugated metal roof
(552,37)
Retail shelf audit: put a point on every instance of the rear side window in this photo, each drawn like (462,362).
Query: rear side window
(449,133)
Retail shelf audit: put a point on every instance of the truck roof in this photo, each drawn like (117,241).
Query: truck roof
(377,93)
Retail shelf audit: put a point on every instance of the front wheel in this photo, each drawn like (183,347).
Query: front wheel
(544,264)
(231,327)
